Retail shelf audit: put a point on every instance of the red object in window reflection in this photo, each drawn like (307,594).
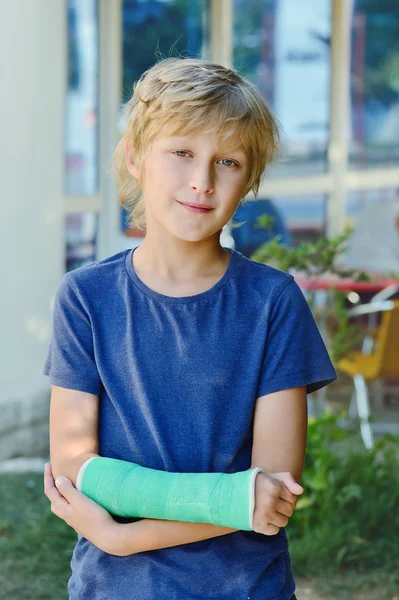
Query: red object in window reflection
(326,282)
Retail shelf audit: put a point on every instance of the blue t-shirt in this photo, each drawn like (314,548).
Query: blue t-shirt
(177,380)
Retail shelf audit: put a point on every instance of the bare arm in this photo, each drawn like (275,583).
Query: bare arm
(74,439)
(73,430)
(280,430)
(279,444)
(154,534)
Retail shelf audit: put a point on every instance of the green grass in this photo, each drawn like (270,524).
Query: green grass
(35,545)
(36,549)
(346,527)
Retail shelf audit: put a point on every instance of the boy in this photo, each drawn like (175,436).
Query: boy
(182,356)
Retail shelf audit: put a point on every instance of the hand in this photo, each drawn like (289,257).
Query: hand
(275,501)
(85,516)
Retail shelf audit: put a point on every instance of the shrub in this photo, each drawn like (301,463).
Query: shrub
(349,513)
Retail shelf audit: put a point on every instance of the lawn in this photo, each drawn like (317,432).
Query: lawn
(36,545)
(36,549)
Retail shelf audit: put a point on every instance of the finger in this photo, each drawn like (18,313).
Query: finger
(46,475)
(269,530)
(285,508)
(52,493)
(74,497)
(273,517)
(67,489)
(270,517)
(286,495)
(289,481)
(272,530)
(278,520)
(49,481)
(58,513)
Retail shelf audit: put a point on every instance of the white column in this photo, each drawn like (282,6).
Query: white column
(110,239)
(222,32)
(339,113)
(33,66)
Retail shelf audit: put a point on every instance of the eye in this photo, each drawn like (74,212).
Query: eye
(232,163)
(180,152)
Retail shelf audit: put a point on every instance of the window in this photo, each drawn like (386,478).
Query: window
(81,234)
(285,51)
(154,29)
(374,215)
(81,131)
(374,84)
(169,27)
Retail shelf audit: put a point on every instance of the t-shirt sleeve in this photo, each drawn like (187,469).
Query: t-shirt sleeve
(295,353)
(70,360)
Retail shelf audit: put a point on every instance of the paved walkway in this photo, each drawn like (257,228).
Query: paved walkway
(22,465)
(304,592)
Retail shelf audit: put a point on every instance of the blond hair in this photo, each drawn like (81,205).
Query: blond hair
(181,96)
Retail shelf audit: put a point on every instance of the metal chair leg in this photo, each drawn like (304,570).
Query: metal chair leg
(363,407)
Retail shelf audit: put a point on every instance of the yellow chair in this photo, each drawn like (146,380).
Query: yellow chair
(378,360)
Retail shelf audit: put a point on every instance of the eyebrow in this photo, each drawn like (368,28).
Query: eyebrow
(187,140)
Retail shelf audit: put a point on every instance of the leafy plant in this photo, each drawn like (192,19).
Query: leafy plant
(349,514)
(314,260)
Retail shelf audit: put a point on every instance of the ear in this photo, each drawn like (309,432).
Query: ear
(130,162)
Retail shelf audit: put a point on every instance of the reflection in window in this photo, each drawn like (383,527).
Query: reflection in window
(81,239)
(375,84)
(286,53)
(168,27)
(249,236)
(294,218)
(358,200)
(374,215)
(81,132)
(305,216)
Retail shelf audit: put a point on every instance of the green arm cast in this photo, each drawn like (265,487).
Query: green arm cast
(129,490)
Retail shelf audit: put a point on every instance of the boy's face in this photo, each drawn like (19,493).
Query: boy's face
(191,170)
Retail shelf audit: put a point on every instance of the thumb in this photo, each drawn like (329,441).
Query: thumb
(290,483)
(64,485)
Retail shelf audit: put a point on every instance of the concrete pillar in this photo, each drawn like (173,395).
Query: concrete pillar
(33,63)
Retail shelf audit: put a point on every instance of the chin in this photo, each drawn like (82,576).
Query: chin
(190,233)
(187,237)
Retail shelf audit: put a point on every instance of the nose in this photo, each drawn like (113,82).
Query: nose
(202,181)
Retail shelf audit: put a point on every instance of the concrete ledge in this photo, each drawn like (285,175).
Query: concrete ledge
(24,426)
(23,411)
(23,465)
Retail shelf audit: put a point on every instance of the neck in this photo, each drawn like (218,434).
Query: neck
(173,259)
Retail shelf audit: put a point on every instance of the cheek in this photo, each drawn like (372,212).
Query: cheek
(163,177)
(234,189)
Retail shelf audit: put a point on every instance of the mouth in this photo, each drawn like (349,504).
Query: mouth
(195,207)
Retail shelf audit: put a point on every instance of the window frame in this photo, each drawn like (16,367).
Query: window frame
(335,183)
